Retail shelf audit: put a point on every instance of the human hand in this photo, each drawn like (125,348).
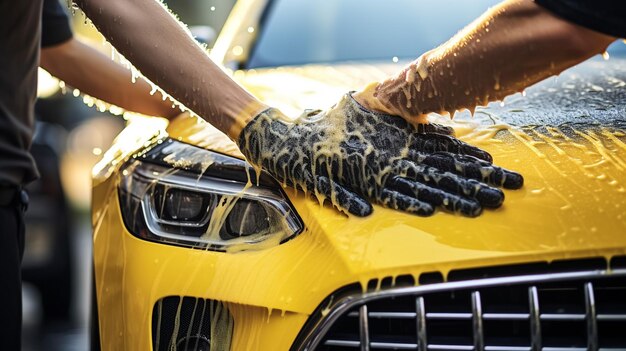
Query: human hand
(350,155)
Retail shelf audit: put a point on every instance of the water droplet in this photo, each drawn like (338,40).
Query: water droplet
(97,151)
(237,50)
(250,29)
(394,59)
(212,8)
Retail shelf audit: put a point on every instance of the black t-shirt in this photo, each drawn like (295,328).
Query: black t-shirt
(605,16)
(55,27)
(25,25)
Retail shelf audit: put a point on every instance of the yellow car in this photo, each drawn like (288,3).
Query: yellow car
(193,252)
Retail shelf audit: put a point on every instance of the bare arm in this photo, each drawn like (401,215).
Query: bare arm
(510,47)
(149,37)
(93,73)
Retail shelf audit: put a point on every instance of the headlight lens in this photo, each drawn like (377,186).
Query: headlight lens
(180,194)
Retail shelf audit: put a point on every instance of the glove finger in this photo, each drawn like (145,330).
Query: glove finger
(423,128)
(489,173)
(473,168)
(452,202)
(425,144)
(398,201)
(481,154)
(346,200)
(486,195)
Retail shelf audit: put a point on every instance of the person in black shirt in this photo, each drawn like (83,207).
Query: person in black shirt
(25,27)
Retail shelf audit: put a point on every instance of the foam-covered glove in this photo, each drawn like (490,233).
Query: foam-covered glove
(350,155)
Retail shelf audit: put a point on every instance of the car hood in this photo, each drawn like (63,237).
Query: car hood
(565,136)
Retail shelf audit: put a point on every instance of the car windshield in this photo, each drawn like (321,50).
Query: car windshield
(303,31)
(296,32)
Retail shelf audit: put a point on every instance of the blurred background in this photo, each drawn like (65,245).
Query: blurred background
(71,134)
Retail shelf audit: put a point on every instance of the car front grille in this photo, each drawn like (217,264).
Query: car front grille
(549,312)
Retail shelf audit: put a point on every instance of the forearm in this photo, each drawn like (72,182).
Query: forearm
(95,74)
(156,44)
(510,47)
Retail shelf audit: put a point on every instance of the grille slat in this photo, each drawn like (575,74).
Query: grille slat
(390,315)
(561,317)
(393,346)
(535,321)
(609,317)
(393,315)
(590,315)
(477,322)
(460,316)
(505,316)
(451,347)
(342,343)
(422,339)
(538,313)
(364,329)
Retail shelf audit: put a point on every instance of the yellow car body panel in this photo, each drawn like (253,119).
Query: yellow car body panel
(573,205)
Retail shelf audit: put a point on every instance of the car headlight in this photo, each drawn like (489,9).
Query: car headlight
(181,194)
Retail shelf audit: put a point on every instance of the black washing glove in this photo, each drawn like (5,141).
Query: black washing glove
(351,156)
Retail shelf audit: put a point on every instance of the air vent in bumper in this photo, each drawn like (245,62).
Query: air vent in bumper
(189,323)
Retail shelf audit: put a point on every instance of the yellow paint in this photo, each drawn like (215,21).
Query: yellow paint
(565,210)
(573,204)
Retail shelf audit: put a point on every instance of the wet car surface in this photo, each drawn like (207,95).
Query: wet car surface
(307,289)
